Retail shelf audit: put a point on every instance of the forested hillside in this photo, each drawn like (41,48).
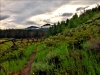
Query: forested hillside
(74,21)
(74,48)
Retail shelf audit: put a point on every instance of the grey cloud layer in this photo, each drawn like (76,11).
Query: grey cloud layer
(85,2)
(3,17)
(30,23)
(67,14)
(81,8)
(23,9)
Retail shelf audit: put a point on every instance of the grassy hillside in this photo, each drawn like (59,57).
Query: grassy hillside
(74,51)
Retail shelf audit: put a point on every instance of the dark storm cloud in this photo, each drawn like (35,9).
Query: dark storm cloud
(67,14)
(81,8)
(3,17)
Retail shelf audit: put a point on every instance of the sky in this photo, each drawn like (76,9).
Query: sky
(24,13)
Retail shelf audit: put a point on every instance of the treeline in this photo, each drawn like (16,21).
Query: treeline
(74,21)
(19,33)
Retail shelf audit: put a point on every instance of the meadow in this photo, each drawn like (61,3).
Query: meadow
(13,56)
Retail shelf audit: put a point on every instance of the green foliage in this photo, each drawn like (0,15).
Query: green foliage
(50,42)
(72,51)
(92,44)
(5,46)
(41,68)
(74,21)
(14,60)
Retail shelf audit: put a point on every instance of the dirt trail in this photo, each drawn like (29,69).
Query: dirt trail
(27,68)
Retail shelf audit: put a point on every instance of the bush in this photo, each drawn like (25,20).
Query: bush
(51,43)
(40,68)
(93,44)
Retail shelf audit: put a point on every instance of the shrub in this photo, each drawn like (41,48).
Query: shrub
(49,42)
(93,44)
(40,68)
(53,57)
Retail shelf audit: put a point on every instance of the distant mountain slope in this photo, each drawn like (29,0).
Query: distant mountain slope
(32,27)
(45,27)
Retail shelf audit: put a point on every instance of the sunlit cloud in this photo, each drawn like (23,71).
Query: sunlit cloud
(23,13)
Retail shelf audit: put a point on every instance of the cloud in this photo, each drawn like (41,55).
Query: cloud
(81,8)
(19,11)
(67,14)
(24,9)
(6,25)
(85,2)
(30,23)
(2,17)
(10,25)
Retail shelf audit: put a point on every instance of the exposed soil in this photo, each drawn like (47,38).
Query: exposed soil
(2,40)
(27,68)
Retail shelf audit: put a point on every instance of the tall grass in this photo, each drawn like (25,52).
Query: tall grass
(5,46)
(16,65)
(69,62)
